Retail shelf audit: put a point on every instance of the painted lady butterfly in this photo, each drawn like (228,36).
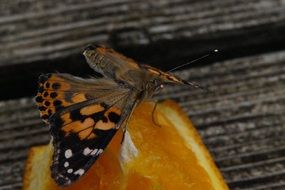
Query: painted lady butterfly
(84,114)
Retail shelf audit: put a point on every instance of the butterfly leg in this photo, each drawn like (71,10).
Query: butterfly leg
(128,116)
(153,114)
(124,132)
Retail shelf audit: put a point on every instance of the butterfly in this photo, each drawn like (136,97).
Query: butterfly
(84,114)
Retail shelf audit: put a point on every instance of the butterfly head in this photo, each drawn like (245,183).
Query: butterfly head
(167,78)
(158,79)
(162,77)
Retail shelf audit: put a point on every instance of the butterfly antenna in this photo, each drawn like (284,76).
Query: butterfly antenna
(194,84)
(193,61)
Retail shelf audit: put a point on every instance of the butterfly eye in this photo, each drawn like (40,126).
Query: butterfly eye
(155,82)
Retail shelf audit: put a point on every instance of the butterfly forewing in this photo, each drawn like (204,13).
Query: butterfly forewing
(80,136)
(83,116)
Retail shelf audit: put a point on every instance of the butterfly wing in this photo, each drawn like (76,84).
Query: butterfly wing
(83,116)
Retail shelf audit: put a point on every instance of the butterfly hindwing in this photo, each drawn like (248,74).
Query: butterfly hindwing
(83,123)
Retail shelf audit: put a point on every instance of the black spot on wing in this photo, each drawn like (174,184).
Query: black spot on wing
(103,137)
(49,112)
(104,119)
(57,103)
(114,117)
(39,99)
(53,95)
(46,103)
(45,116)
(55,86)
(47,84)
(45,94)
(99,116)
(42,108)
(76,115)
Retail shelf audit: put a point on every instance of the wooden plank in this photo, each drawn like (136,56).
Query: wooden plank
(41,36)
(58,30)
(241,121)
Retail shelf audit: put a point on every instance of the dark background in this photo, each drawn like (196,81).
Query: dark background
(241,118)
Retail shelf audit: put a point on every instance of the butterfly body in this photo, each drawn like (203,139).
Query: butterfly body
(84,114)
(143,78)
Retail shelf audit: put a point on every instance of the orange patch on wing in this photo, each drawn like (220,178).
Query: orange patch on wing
(66,118)
(86,134)
(113,109)
(88,110)
(82,129)
(78,98)
(58,83)
(105,126)
(108,124)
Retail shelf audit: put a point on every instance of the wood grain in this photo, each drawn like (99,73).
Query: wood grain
(241,117)
(53,30)
(241,121)
(39,36)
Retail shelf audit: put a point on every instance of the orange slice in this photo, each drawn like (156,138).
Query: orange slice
(160,152)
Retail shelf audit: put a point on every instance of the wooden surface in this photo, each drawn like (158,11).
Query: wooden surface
(241,119)
(38,36)
(39,30)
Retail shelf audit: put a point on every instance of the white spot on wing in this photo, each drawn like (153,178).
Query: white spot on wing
(69,171)
(68,153)
(79,172)
(87,151)
(94,152)
(99,152)
(66,164)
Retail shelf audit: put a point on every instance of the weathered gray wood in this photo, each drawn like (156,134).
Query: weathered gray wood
(241,120)
(48,36)
(54,29)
